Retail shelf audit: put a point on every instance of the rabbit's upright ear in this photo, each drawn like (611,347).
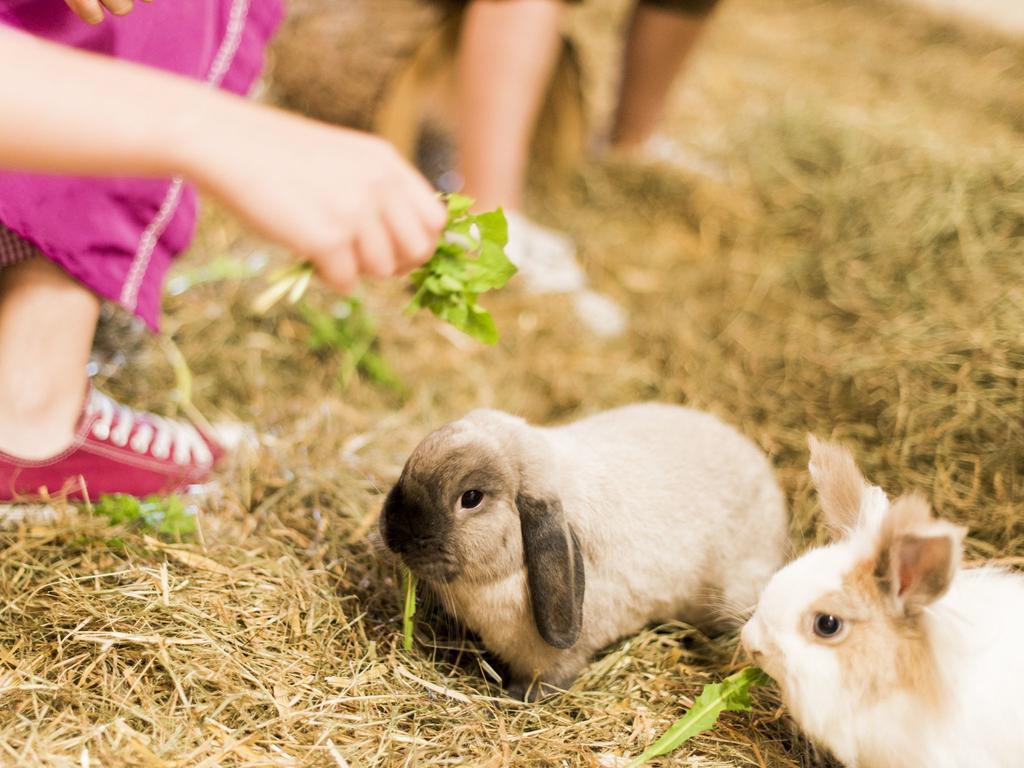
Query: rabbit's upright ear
(839,483)
(918,555)
(554,568)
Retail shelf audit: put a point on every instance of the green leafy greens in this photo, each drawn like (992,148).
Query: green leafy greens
(166,515)
(732,694)
(469,260)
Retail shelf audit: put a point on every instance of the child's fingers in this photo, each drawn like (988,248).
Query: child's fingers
(414,243)
(119,7)
(432,212)
(419,184)
(88,11)
(338,270)
(374,249)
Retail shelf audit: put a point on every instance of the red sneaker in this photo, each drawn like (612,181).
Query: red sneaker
(115,450)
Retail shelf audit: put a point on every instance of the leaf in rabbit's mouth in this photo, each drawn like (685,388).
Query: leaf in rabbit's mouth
(409,610)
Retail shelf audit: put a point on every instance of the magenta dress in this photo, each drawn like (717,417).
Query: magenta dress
(117,236)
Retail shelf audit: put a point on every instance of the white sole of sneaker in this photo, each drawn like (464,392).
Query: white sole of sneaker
(14,515)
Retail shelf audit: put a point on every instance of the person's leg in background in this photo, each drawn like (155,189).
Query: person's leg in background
(47,322)
(507,54)
(661,37)
(508,51)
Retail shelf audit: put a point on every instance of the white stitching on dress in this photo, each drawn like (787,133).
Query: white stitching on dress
(147,243)
(150,237)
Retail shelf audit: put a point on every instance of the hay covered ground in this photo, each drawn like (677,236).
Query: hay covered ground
(859,274)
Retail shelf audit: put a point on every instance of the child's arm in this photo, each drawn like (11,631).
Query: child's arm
(343,199)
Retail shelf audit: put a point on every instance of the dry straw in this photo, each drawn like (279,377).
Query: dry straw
(859,275)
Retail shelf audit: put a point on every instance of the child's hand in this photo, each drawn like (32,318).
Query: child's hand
(342,199)
(91,11)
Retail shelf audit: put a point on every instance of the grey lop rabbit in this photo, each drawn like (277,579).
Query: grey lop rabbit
(552,542)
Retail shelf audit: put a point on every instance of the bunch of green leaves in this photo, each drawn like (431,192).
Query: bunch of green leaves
(350,332)
(732,694)
(469,260)
(166,515)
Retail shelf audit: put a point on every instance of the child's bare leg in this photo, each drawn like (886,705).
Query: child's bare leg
(659,42)
(507,54)
(47,322)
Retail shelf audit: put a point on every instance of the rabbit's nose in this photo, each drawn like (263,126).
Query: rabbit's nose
(750,638)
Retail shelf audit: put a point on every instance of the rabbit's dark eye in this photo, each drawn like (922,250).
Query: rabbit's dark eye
(826,625)
(471,499)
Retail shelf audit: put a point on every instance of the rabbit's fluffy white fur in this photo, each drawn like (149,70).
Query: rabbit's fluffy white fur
(927,667)
(676,516)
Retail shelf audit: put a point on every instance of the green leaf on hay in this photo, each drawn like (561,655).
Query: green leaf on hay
(349,332)
(166,515)
(377,370)
(732,694)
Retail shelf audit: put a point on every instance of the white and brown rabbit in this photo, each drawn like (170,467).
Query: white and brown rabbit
(551,543)
(886,652)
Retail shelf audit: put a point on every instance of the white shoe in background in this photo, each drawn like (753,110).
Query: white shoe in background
(602,316)
(547,263)
(546,259)
(663,149)
(666,152)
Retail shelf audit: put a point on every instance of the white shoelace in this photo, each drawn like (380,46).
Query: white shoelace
(160,437)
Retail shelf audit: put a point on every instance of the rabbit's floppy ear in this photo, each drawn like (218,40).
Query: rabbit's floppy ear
(917,556)
(554,569)
(839,483)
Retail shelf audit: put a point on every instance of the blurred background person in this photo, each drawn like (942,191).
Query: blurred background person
(507,54)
